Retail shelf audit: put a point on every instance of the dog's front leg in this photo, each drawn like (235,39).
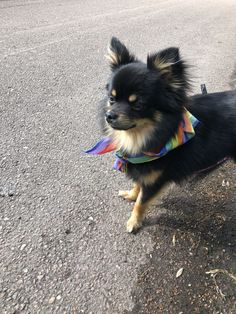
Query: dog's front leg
(132,194)
(146,195)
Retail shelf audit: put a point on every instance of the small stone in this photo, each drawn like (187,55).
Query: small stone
(51,300)
(39,277)
(22,247)
(11,193)
(19,282)
(14,296)
(17,306)
(225,183)
(90,220)
(22,306)
(179,272)
(59,297)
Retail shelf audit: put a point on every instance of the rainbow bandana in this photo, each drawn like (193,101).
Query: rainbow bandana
(184,133)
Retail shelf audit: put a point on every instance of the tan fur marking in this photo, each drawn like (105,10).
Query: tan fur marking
(139,209)
(113,57)
(165,68)
(162,65)
(132,194)
(135,219)
(134,139)
(158,116)
(113,92)
(151,178)
(132,98)
(176,85)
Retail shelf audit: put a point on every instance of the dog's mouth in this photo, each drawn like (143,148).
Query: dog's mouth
(121,123)
(122,128)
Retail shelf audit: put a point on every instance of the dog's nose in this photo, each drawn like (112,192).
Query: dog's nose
(111,116)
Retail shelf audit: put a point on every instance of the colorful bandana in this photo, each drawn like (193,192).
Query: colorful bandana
(184,133)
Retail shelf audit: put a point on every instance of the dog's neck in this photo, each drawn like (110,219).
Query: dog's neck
(147,135)
(134,140)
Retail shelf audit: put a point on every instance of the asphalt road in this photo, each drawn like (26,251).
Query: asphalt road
(63,244)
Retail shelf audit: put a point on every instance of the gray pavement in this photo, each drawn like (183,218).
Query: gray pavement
(63,244)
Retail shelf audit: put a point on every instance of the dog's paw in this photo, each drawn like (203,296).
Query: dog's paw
(133,224)
(128,195)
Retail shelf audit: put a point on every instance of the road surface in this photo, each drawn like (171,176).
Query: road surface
(63,244)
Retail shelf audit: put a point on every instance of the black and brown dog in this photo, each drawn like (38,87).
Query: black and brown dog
(142,111)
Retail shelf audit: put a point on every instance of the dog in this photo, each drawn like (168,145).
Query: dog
(143,111)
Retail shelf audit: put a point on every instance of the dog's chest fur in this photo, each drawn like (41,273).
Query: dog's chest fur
(132,141)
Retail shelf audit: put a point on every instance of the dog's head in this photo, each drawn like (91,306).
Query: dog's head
(141,95)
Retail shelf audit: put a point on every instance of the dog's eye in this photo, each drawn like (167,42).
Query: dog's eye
(132,98)
(112,99)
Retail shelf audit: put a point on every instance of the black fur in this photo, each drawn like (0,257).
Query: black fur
(123,55)
(161,88)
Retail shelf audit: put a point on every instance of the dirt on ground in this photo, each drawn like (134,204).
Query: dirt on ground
(193,266)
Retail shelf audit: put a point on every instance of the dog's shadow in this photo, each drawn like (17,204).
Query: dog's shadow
(215,225)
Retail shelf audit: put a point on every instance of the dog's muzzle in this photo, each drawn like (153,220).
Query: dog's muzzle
(111,117)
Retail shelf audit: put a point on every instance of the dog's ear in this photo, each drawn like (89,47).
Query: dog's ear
(118,54)
(170,67)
